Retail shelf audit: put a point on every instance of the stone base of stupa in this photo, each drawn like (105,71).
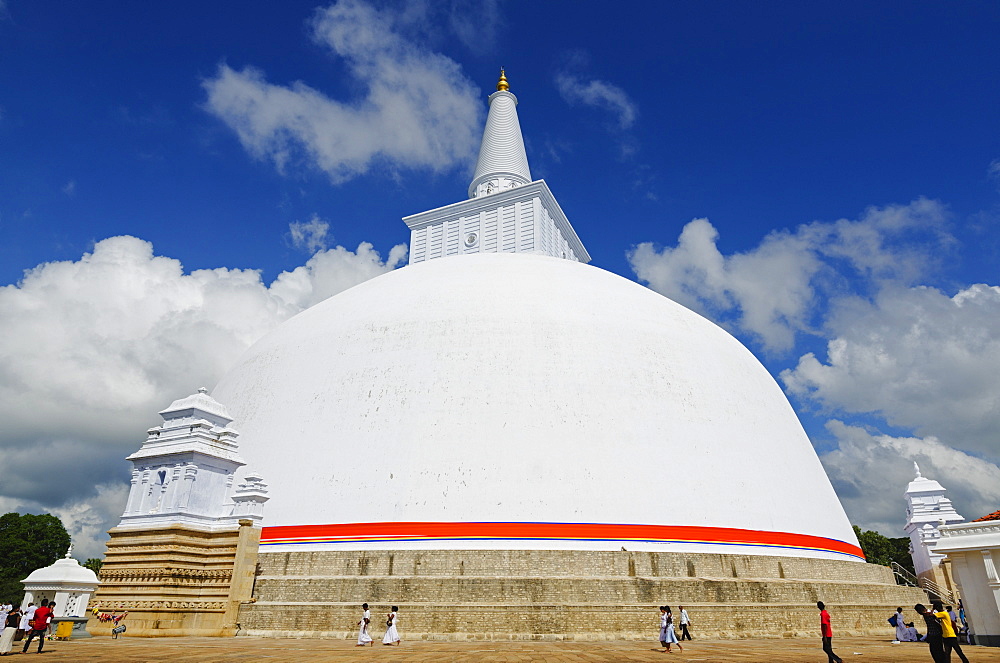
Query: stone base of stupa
(176,580)
(564,595)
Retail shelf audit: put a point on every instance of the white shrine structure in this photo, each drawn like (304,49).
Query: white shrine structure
(66,582)
(974,552)
(927,510)
(497,425)
(182,558)
(184,472)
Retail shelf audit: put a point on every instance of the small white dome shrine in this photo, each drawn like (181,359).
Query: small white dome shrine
(66,582)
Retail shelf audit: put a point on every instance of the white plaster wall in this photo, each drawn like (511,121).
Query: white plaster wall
(517,387)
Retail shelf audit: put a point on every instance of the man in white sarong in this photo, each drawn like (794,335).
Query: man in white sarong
(363,637)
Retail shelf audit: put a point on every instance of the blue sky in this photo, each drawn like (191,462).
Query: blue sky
(845,156)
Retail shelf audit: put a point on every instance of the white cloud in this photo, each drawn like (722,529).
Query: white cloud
(418,111)
(993,170)
(476,23)
(599,94)
(772,291)
(917,357)
(309,235)
(91,350)
(69,188)
(331,271)
(870,472)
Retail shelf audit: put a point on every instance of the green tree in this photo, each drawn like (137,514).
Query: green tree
(879,549)
(94,564)
(27,542)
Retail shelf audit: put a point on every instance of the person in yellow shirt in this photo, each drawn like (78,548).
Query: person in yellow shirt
(948,634)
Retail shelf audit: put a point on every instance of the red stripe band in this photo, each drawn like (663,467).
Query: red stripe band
(437,531)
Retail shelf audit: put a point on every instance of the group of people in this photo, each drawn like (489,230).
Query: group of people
(907,632)
(33,621)
(391,636)
(668,634)
(942,631)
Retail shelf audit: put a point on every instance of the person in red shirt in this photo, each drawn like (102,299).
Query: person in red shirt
(827,631)
(39,625)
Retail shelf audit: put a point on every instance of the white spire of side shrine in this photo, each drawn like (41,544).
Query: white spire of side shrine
(927,509)
(502,163)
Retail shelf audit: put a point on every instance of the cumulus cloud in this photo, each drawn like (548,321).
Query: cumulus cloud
(418,110)
(598,94)
(773,290)
(870,472)
(917,357)
(309,235)
(92,349)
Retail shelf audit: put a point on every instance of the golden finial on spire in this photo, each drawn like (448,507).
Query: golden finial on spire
(502,84)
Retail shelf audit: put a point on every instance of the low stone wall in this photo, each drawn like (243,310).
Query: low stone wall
(582,595)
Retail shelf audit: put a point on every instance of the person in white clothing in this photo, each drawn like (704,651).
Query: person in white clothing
(9,630)
(364,638)
(29,614)
(685,623)
(900,625)
(667,635)
(391,634)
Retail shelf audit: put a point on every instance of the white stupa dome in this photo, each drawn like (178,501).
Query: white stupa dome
(508,400)
(63,572)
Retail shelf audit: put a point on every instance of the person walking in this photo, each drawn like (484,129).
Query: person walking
(391,634)
(10,630)
(365,638)
(39,624)
(26,616)
(685,623)
(663,628)
(934,633)
(667,635)
(949,638)
(827,630)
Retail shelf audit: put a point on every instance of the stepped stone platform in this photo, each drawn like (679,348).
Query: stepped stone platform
(563,594)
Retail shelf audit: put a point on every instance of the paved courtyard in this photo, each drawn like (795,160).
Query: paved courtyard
(206,650)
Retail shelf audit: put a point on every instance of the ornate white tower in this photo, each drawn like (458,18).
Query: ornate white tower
(506,211)
(927,509)
(183,473)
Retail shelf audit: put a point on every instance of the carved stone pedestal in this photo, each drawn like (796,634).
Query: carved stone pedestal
(177,580)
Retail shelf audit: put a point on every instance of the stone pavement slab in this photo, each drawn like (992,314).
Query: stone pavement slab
(212,650)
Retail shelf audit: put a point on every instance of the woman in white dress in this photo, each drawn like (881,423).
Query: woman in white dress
(10,625)
(667,635)
(663,627)
(363,637)
(391,634)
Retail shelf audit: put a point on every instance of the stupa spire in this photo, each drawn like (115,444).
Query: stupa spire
(502,163)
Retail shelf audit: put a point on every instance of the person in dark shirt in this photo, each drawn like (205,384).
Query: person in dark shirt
(949,638)
(934,637)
